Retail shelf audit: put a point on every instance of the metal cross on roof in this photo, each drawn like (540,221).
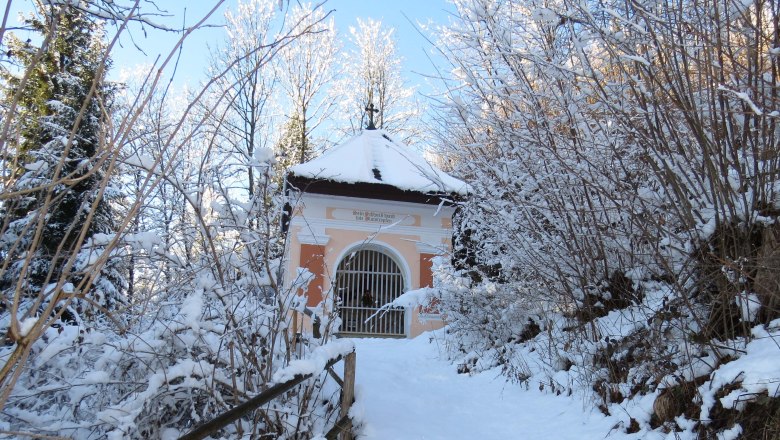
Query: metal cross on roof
(371,110)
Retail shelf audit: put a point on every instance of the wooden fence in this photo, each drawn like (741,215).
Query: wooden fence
(343,427)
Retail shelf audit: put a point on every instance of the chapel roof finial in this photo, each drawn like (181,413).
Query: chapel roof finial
(371,110)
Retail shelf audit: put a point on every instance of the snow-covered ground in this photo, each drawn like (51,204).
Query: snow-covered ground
(406,391)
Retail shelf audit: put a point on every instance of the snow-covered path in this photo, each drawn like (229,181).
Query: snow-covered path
(405,392)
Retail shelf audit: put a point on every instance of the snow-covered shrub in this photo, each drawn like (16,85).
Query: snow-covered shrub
(140,275)
(625,181)
(208,336)
(188,359)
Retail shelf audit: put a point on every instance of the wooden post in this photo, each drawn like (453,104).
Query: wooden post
(235,413)
(295,330)
(348,393)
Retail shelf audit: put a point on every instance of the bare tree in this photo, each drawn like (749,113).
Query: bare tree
(619,153)
(306,68)
(211,325)
(372,75)
(243,93)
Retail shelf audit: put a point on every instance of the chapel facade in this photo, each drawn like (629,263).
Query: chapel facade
(367,218)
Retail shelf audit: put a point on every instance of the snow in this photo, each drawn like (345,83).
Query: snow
(638,59)
(545,16)
(744,97)
(404,390)
(100,239)
(756,372)
(26,326)
(36,166)
(142,161)
(730,434)
(146,240)
(170,434)
(407,300)
(264,156)
(96,377)
(303,277)
(749,306)
(191,309)
(315,363)
(413,298)
(355,161)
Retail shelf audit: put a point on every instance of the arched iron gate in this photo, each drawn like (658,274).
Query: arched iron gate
(366,280)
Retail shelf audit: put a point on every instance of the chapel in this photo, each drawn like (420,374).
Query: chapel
(367,217)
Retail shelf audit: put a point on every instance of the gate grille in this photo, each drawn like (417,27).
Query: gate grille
(365,281)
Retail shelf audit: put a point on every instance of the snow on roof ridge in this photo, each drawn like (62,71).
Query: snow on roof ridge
(376,161)
(425,167)
(374,156)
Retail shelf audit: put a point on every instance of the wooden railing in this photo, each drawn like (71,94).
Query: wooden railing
(343,427)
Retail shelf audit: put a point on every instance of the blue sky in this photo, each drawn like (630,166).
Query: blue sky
(412,46)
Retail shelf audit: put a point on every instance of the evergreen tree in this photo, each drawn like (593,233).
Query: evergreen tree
(292,147)
(306,69)
(55,218)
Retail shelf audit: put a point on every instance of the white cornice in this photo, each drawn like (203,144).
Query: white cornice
(418,231)
(428,248)
(316,239)
(350,201)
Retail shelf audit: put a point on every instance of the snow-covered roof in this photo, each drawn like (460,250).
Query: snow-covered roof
(374,156)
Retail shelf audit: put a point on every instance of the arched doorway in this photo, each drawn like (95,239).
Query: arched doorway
(366,280)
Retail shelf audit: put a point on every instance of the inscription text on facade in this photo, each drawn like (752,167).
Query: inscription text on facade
(374,216)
